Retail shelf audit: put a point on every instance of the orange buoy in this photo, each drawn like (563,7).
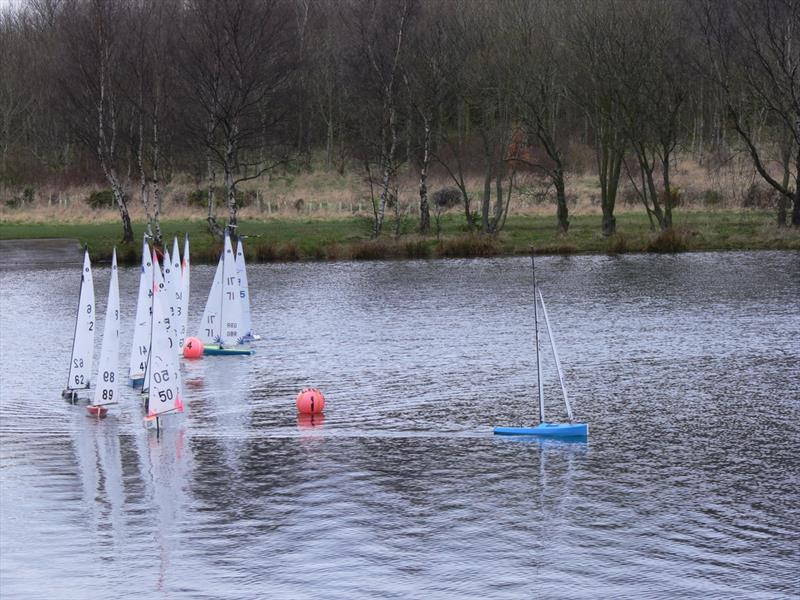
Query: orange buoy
(192,348)
(310,401)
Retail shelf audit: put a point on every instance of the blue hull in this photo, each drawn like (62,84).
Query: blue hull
(220,351)
(547,429)
(137,382)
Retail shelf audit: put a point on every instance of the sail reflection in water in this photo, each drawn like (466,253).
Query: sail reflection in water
(168,463)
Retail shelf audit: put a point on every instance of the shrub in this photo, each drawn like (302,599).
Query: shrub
(617,244)
(712,198)
(447,197)
(289,251)
(417,249)
(676,195)
(467,246)
(759,196)
(668,241)
(370,250)
(265,252)
(101,199)
(129,256)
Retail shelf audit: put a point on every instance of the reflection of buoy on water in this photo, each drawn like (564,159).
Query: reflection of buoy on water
(195,382)
(310,401)
(97,411)
(192,348)
(307,421)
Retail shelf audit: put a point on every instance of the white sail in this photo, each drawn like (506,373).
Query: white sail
(107,386)
(144,311)
(555,357)
(185,279)
(80,364)
(164,382)
(158,287)
(212,315)
(246,326)
(231,327)
(172,287)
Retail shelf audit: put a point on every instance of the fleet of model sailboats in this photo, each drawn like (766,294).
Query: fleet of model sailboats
(159,329)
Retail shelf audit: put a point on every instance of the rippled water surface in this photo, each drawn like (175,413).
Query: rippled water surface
(686,367)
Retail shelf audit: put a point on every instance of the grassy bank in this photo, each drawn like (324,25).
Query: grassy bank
(288,239)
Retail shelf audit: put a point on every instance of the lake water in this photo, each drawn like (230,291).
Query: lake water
(687,368)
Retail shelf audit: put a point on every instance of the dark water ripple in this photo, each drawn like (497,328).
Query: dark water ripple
(685,367)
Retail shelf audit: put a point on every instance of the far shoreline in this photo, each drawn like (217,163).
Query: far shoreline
(323,240)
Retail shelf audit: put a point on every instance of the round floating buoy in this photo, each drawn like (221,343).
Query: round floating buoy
(192,348)
(310,401)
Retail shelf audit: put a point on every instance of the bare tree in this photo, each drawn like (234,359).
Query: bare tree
(754,56)
(485,109)
(236,62)
(148,92)
(92,43)
(600,50)
(651,93)
(536,69)
(425,74)
(379,29)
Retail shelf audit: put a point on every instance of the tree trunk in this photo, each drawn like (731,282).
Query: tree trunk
(387,173)
(122,204)
(424,211)
(142,174)
(230,180)
(783,201)
(796,199)
(156,183)
(213,226)
(562,211)
(667,192)
(609,162)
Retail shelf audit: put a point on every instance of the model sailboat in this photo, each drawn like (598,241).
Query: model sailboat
(244,294)
(545,428)
(172,287)
(107,389)
(158,288)
(164,381)
(183,304)
(144,313)
(80,364)
(221,327)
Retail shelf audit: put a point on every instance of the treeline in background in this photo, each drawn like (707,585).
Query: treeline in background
(413,107)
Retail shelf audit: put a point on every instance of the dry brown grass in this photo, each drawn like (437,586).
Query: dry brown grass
(326,195)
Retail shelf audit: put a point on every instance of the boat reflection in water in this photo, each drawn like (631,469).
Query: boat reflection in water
(168,461)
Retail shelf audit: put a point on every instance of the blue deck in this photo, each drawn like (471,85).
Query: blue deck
(547,429)
(222,351)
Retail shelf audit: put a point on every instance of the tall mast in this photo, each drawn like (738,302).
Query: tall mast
(536,333)
(555,356)
(222,291)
